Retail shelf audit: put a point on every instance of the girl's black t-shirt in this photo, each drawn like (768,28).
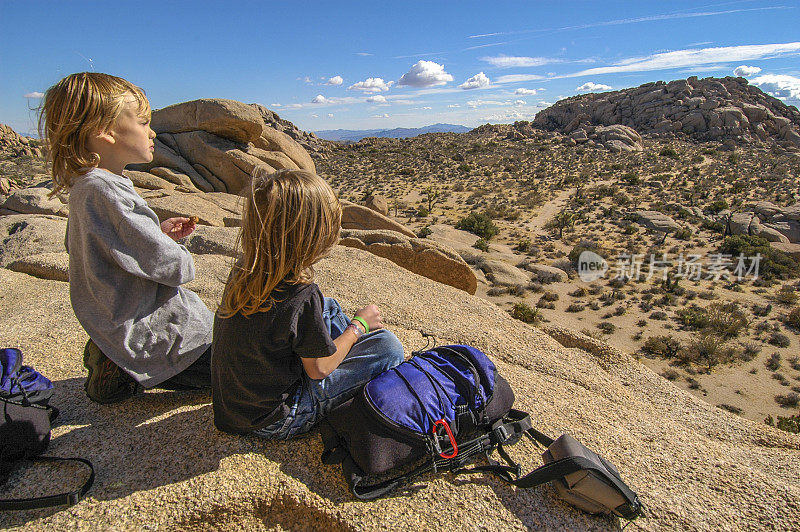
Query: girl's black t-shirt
(255,362)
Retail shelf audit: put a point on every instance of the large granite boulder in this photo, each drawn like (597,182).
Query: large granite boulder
(418,255)
(212,145)
(24,235)
(225,118)
(501,273)
(360,217)
(657,221)
(34,200)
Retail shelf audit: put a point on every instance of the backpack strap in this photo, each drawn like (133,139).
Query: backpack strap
(69,498)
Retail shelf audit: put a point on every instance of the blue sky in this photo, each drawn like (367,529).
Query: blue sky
(360,65)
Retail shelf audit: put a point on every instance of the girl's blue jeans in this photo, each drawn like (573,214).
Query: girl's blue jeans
(371,355)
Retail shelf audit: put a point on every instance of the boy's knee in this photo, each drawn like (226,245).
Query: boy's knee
(392,347)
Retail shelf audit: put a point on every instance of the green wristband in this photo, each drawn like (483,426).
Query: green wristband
(363,322)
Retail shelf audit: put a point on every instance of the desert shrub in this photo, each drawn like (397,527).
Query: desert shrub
(773,363)
(683,234)
(424,232)
(496,291)
(607,327)
(779,340)
(730,408)
(523,246)
(550,296)
(422,212)
(774,264)
(481,244)
(407,171)
(619,311)
(517,290)
(750,350)
(641,323)
(663,346)
(479,224)
(670,374)
(786,296)
(795,363)
(706,349)
(542,303)
(580,247)
(524,312)
(575,307)
(724,319)
(579,292)
(668,152)
(715,207)
(789,424)
(658,315)
(761,310)
(693,384)
(789,400)
(792,319)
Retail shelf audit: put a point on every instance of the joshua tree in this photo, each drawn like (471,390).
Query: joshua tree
(432,196)
(561,221)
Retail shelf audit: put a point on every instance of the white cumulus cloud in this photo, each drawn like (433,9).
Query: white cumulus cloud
(505,61)
(384,115)
(780,86)
(590,86)
(320,99)
(377,99)
(425,74)
(476,82)
(335,80)
(453,106)
(746,71)
(330,115)
(520,102)
(34,94)
(525,92)
(371,85)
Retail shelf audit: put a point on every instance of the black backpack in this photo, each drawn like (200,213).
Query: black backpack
(443,409)
(25,418)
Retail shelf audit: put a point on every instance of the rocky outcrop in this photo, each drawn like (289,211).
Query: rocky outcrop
(213,145)
(769,221)
(161,463)
(615,138)
(656,221)
(418,255)
(377,203)
(315,146)
(34,200)
(360,217)
(704,109)
(13,144)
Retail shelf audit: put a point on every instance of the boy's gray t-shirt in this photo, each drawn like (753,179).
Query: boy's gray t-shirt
(124,281)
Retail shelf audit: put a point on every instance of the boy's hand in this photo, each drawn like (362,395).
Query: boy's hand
(373,317)
(178,227)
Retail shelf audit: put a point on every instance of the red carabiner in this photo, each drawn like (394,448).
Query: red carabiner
(449,435)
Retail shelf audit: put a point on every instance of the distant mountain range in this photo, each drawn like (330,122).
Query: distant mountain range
(354,135)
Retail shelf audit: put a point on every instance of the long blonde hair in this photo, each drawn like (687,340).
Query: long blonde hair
(74,109)
(291,220)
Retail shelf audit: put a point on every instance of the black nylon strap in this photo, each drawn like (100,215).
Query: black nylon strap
(69,498)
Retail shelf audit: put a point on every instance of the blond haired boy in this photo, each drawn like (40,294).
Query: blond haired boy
(125,268)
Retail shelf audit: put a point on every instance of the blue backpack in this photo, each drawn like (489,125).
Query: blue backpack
(25,421)
(444,408)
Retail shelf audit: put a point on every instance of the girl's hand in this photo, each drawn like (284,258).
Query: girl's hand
(178,227)
(373,317)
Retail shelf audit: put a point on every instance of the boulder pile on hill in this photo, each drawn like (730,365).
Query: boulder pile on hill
(704,109)
(12,144)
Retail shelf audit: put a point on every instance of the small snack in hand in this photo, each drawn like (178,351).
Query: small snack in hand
(193,220)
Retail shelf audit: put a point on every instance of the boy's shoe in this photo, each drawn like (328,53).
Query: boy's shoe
(107,382)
